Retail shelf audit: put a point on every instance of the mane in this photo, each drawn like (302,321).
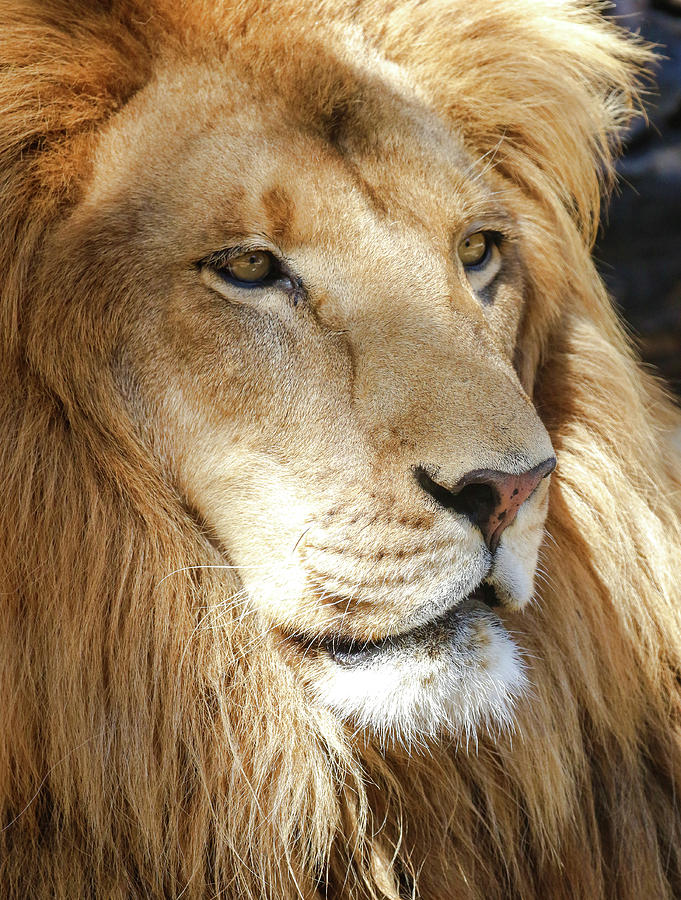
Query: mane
(150,746)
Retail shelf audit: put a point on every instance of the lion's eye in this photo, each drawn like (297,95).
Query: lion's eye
(480,255)
(235,272)
(474,249)
(250,268)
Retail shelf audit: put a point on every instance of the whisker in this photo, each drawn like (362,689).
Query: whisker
(208,566)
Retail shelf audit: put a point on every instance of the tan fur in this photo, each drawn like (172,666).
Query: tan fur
(190,476)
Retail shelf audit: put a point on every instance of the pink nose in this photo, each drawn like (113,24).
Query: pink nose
(489,499)
(495,507)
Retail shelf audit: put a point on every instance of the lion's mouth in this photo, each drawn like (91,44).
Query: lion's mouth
(429,635)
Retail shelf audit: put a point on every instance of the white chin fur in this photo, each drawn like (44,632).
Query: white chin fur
(450,682)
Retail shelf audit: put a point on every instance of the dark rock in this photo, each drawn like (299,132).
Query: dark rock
(639,251)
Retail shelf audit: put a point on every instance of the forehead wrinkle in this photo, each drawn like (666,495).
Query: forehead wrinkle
(279,210)
(415,209)
(417,143)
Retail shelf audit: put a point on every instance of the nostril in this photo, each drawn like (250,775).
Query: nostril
(477,502)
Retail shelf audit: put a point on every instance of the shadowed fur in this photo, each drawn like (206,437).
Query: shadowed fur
(156,741)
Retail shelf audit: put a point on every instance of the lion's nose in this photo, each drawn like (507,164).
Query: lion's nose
(488,498)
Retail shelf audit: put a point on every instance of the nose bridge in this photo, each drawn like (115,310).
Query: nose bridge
(427,369)
(442,383)
(486,426)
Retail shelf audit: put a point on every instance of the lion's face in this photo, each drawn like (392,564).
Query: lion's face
(317,321)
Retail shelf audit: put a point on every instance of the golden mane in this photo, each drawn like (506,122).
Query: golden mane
(145,755)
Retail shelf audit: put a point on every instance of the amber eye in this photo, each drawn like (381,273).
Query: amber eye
(252,267)
(474,249)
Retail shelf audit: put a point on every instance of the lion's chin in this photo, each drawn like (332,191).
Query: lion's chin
(447,678)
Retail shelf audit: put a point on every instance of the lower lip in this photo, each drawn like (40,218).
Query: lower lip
(355,652)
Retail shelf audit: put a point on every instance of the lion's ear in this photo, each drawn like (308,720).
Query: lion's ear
(542,89)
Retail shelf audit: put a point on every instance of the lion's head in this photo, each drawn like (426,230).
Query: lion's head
(318,294)
(286,296)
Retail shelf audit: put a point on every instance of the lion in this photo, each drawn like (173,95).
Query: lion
(341,524)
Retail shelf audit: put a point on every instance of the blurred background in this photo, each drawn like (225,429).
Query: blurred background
(639,248)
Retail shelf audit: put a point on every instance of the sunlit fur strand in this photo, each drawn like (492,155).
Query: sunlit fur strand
(165,777)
